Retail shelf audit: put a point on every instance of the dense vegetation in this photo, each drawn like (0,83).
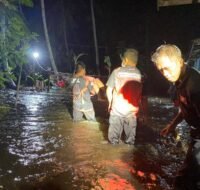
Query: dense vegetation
(15,38)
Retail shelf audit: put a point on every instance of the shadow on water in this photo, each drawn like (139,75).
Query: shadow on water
(41,148)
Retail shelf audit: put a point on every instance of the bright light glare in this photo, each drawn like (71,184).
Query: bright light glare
(35,55)
(166,62)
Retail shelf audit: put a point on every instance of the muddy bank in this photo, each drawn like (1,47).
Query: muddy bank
(41,148)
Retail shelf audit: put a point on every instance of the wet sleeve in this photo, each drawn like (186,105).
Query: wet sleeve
(111,80)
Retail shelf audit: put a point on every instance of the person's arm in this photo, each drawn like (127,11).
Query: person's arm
(109,93)
(110,86)
(171,127)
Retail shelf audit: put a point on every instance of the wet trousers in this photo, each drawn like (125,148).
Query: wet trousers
(116,126)
(78,115)
(188,178)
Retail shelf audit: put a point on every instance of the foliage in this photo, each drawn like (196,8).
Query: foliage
(15,38)
(76,58)
(4,76)
(28,3)
(12,4)
(31,79)
(108,63)
(34,77)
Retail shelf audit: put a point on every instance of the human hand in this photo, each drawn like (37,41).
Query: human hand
(89,78)
(167,130)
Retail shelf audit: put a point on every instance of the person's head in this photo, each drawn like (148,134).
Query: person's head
(80,69)
(169,61)
(130,57)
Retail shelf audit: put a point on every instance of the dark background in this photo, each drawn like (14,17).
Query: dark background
(120,24)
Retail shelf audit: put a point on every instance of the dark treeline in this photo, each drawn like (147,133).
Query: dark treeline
(119,25)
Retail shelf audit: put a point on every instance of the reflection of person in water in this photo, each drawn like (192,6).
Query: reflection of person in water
(168,60)
(124,93)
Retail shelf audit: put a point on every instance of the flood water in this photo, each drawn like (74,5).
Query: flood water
(42,149)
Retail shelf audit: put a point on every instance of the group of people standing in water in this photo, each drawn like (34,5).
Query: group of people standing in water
(124,91)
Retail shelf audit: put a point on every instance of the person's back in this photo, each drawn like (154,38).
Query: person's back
(127,87)
(82,104)
(123,93)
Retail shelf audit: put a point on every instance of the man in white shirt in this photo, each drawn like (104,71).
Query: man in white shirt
(124,92)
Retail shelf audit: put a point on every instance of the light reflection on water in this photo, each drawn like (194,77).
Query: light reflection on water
(42,141)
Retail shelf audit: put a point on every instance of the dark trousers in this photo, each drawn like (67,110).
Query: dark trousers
(78,115)
(188,177)
(116,126)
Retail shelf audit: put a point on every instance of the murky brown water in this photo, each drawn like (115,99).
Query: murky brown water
(41,148)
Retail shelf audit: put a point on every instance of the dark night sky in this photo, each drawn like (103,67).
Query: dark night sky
(120,23)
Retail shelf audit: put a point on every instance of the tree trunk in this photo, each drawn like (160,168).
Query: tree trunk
(47,37)
(18,84)
(64,28)
(95,36)
(65,37)
(4,41)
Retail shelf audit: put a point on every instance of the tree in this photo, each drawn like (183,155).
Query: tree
(15,39)
(64,28)
(108,64)
(47,37)
(95,36)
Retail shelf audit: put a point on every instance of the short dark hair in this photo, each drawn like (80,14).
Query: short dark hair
(80,65)
(131,54)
